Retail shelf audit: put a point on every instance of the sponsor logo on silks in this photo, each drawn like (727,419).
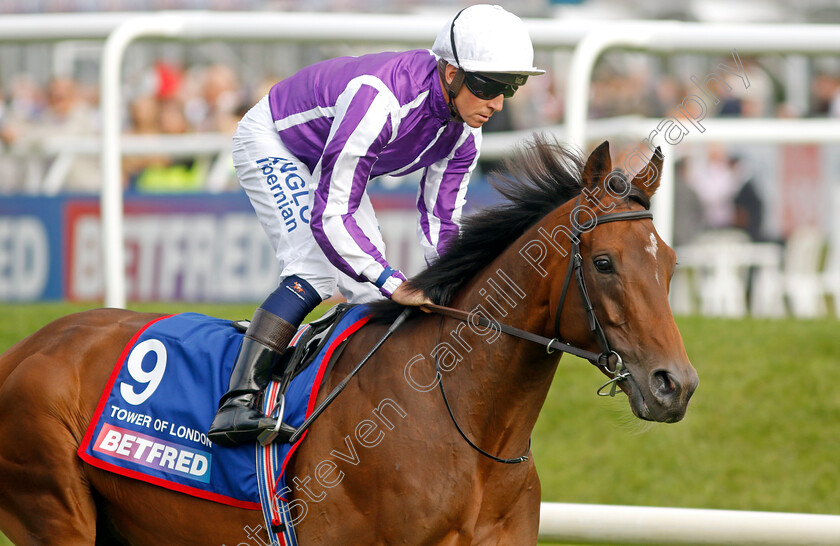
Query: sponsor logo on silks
(287,187)
(151,452)
(296,289)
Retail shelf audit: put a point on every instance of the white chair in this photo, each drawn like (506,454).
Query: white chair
(682,293)
(716,273)
(720,277)
(803,281)
(767,292)
(831,276)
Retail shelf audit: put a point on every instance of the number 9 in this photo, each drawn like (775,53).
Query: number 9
(151,378)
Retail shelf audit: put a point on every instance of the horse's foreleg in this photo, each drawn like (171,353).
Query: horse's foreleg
(44,498)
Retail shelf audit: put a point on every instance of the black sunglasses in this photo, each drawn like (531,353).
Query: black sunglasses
(487,89)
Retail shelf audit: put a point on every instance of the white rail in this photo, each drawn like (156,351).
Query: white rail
(721,130)
(671,37)
(608,524)
(215,148)
(277,27)
(66,26)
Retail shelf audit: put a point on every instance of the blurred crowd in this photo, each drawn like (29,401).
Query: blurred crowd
(169,98)
(205,100)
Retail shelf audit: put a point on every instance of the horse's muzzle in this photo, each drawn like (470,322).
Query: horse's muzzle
(670,391)
(665,396)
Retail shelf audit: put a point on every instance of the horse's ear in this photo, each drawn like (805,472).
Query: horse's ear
(598,165)
(647,179)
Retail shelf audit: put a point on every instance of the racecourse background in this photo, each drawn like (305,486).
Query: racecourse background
(182,93)
(758,433)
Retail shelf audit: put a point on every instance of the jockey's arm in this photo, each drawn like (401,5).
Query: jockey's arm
(443,195)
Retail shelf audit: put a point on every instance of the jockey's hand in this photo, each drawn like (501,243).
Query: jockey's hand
(405,294)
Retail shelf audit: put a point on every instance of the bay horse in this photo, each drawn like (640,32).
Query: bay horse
(410,452)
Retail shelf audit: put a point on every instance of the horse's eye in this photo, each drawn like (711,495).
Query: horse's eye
(603,265)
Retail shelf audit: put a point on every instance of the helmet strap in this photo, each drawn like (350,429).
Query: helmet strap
(452,88)
(458,80)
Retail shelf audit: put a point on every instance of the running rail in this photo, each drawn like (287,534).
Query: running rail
(608,524)
(66,26)
(717,130)
(669,37)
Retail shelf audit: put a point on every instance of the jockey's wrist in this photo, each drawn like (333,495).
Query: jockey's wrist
(389,281)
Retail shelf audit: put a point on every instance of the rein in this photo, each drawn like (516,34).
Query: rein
(550,345)
(520,459)
(602,360)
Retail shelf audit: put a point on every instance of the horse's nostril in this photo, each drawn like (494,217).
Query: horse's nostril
(663,385)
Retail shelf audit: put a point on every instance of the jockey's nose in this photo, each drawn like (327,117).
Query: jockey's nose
(497,103)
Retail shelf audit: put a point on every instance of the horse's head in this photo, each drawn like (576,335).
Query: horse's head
(554,209)
(626,270)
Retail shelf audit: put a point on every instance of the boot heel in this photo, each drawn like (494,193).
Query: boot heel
(239,419)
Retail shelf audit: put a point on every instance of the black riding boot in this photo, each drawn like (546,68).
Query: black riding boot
(239,420)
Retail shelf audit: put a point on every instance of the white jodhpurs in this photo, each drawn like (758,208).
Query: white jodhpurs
(280,188)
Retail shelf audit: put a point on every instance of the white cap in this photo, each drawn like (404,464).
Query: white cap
(487,39)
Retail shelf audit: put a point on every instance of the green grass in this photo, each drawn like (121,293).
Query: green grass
(19,320)
(760,434)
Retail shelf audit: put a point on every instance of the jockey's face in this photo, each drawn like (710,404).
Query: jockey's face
(473,110)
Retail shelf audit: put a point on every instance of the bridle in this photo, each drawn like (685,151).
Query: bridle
(602,360)
(618,370)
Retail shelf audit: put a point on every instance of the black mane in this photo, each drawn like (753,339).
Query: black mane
(535,180)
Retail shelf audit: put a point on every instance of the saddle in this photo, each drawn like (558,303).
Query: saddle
(303,350)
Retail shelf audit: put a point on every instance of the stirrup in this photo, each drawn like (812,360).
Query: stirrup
(270,435)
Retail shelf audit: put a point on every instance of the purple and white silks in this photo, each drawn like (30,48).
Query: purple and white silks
(351,119)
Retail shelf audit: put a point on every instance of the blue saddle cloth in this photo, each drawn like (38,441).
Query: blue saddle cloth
(151,421)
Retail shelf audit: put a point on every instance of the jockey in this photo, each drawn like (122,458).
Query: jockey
(306,152)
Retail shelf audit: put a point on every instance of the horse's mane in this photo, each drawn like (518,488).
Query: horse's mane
(535,180)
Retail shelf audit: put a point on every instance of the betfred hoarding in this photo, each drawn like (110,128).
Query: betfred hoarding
(191,247)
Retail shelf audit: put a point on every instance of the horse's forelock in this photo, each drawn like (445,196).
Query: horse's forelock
(619,184)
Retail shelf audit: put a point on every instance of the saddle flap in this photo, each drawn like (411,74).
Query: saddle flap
(296,359)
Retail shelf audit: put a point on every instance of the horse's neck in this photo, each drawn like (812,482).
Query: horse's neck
(503,382)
